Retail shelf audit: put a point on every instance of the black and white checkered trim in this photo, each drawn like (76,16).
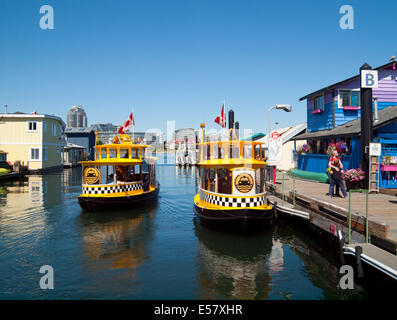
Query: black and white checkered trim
(233,202)
(112,189)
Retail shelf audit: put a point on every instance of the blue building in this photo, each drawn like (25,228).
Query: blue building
(84,137)
(333,115)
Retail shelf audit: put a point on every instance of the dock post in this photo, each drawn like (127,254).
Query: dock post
(293,192)
(282,190)
(366,217)
(350,218)
(341,256)
(359,251)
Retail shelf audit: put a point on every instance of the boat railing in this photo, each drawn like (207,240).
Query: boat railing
(242,150)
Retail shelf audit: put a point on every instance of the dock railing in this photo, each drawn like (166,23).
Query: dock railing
(366,213)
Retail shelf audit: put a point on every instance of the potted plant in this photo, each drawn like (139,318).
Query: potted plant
(303,149)
(353,178)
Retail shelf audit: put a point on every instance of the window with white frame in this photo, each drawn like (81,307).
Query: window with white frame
(45,153)
(54,129)
(32,126)
(34,154)
(318,102)
(349,98)
(44,126)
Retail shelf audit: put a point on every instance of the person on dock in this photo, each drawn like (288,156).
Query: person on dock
(332,158)
(336,177)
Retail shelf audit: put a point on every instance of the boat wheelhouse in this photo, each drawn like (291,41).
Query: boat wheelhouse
(119,177)
(231,184)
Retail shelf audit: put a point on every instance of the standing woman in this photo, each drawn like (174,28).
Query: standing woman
(333,157)
(336,177)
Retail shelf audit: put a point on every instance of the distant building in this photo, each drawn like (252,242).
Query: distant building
(83,137)
(77,117)
(107,131)
(72,154)
(180,136)
(34,139)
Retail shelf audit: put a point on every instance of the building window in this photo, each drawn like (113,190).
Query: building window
(318,103)
(349,98)
(32,126)
(44,126)
(54,129)
(34,154)
(45,153)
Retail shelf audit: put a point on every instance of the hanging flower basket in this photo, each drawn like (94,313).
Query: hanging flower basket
(317,111)
(351,108)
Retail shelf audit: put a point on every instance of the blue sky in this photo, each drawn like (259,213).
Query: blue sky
(178,60)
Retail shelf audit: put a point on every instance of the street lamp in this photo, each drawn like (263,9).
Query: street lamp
(286,108)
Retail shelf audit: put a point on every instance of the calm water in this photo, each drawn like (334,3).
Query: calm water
(158,251)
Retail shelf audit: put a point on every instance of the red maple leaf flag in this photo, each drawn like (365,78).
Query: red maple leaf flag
(128,123)
(221,119)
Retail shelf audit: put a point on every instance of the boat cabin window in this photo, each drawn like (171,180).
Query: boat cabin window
(103,153)
(260,180)
(135,153)
(124,154)
(219,181)
(112,153)
(258,153)
(224,181)
(221,151)
(211,180)
(234,151)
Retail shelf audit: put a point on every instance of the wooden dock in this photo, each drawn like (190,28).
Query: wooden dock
(309,201)
(376,257)
(9,176)
(313,195)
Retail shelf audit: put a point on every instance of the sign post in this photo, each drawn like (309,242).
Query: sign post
(275,149)
(368,80)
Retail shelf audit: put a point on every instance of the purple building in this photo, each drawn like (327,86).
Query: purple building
(333,115)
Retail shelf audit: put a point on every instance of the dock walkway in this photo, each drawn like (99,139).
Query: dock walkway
(312,203)
(382,208)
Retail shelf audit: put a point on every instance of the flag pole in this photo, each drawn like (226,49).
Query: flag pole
(133,127)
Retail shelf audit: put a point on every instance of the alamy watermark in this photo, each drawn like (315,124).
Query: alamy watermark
(347,20)
(47,20)
(347,279)
(47,281)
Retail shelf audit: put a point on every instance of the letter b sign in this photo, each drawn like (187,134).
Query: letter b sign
(369,79)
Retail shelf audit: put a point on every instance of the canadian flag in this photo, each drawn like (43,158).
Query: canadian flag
(221,119)
(128,123)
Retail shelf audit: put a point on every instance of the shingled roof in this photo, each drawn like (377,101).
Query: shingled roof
(352,128)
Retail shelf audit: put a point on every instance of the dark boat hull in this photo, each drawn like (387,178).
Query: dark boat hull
(95,204)
(246,215)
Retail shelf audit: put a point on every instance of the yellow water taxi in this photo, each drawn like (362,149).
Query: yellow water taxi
(231,183)
(119,177)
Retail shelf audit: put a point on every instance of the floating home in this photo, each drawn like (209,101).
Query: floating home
(34,139)
(333,115)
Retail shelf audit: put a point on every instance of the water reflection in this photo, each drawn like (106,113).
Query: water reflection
(186,173)
(233,265)
(120,239)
